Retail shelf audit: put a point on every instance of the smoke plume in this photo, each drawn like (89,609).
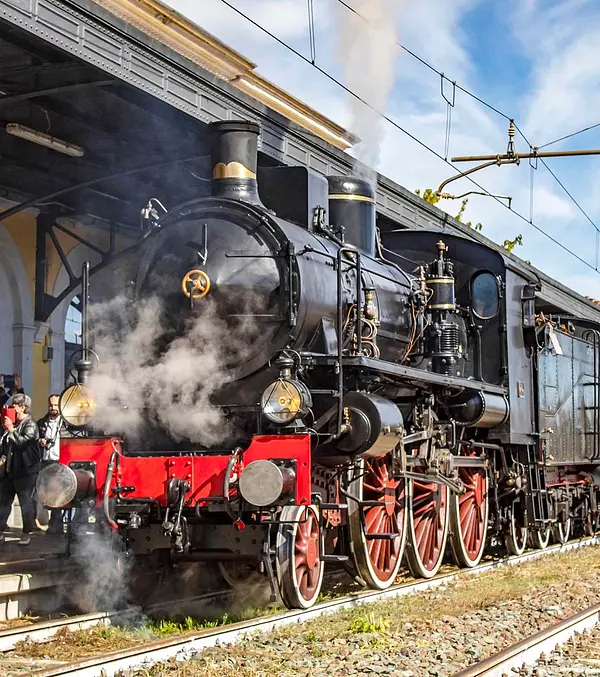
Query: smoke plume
(144,376)
(367,51)
(103,583)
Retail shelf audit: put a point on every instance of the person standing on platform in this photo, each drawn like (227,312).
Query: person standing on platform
(19,446)
(50,428)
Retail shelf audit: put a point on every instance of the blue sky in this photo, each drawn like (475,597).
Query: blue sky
(535,60)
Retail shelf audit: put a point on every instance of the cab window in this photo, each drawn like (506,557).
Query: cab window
(484,295)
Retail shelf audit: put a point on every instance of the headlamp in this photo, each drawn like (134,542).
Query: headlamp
(77,406)
(284,400)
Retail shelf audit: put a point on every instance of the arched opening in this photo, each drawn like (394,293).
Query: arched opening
(73,328)
(16,316)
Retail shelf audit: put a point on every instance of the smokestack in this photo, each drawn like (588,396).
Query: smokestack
(352,205)
(234,159)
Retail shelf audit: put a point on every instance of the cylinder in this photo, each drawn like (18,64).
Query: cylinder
(352,207)
(376,426)
(58,485)
(479,409)
(442,293)
(440,282)
(234,158)
(262,482)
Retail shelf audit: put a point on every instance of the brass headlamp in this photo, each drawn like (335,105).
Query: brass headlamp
(77,405)
(285,399)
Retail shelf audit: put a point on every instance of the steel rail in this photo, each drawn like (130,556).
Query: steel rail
(184,646)
(529,650)
(41,632)
(46,630)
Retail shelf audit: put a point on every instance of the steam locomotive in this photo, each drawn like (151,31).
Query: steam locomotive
(400,394)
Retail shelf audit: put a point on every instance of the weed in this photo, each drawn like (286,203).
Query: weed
(310,637)
(369,623)
(164,628)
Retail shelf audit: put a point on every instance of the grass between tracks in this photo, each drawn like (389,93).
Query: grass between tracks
(373,624)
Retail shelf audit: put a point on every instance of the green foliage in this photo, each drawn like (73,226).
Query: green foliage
(461,211)
(369,623)
(429,196)
(164,628)
(509,245)
(107,632)
(311,637)
(432,198)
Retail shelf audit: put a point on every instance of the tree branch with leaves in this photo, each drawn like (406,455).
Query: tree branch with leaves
(430,196)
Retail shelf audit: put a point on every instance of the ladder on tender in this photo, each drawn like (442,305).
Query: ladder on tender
(538,491)
(593,337)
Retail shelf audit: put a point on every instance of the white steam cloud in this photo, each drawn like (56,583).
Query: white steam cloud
(367,50)
(104,579)
(141,377)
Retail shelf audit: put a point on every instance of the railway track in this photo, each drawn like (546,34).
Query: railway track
(527,652)
(187,644)
(46,630)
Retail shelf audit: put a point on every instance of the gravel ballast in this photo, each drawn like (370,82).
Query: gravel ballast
(435,633)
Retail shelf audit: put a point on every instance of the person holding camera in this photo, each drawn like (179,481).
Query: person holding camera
(19,446)
(49,427)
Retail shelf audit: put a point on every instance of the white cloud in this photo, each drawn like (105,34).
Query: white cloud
(288,19)
(549,205)
(565,92)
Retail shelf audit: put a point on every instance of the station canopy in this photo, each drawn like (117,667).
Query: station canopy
(64,123)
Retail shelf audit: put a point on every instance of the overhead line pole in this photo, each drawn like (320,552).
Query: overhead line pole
(508,158)
(517,156)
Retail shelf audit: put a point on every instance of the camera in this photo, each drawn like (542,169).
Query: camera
(10,413)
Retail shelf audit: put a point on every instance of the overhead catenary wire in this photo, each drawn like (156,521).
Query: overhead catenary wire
(434,69)
(569,136)
(569,194)
(405,131)
(456,86)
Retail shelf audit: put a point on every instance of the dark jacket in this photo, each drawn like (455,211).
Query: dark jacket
(43,424)
(21,449)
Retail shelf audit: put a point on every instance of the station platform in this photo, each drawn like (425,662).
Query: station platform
(32,577)
(42,549)
(42,545)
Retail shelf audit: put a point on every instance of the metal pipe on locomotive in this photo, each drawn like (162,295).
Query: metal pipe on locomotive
(373,400)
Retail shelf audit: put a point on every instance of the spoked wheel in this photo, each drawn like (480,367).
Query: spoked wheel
(589,522)
(377,559)
(562,531)
(469,517)
(239,574)
(516,536)
(298,566)
(540,538)
(427,527)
